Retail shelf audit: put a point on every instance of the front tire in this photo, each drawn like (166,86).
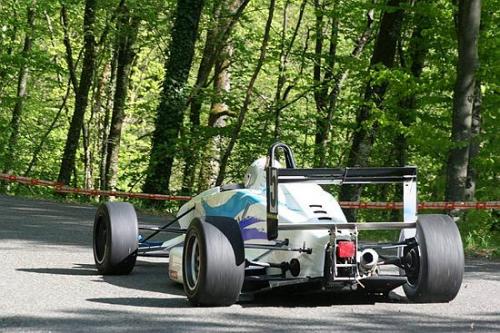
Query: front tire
(115,238)
(213,262)
(435,267)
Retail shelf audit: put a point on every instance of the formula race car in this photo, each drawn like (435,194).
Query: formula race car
(280,228)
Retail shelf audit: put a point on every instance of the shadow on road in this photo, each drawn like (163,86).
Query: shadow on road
(46,222)
(191,321)
(297,301)
(489,270)
(79,269)
(146,276)
(61,225)
(52,223)
(321,299)
(179,302)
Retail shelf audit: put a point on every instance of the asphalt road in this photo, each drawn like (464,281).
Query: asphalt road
(48,283)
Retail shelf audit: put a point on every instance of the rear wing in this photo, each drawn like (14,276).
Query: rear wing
(292,174)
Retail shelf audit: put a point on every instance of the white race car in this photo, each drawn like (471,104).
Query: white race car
(280,228)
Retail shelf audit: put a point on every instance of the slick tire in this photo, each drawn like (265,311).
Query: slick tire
(437,263)
(213,262)
(115,238)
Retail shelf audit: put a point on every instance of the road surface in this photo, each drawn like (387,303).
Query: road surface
(49,283)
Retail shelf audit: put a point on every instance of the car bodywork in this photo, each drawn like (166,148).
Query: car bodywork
(280,228)
(295,232)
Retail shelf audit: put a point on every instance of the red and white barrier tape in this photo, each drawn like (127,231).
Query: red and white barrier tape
(61,188)
(424,205)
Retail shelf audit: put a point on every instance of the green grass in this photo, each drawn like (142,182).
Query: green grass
(480,230)
(482,245)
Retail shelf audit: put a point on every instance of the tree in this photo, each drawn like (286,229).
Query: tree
(248,95)
(128,27)
(469,17)
(282,92)
(325,97)
(365,133)
(322,83)
(224,16)
(174,95)
(217,118)
(22,88)
(417,51)
(219,110)
(81,92)
(474,145)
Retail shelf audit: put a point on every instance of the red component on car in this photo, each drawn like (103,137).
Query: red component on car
(346,249)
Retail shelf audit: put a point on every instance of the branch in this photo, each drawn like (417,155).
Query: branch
(218,46)
(52,125)
(69,50)
(246,103)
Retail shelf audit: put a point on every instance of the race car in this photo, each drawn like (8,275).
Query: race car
(281,228)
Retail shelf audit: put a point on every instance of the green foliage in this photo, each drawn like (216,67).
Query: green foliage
(481,233)
(427,134)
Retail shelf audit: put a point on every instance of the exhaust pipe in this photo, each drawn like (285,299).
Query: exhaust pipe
(368,261)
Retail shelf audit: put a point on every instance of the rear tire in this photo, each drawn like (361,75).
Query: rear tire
(115,238)
(437,268)
(213,262)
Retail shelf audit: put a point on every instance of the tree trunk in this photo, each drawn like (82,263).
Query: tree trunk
(69,49)
(90,142)
(81,95)
(86,155)
(474,146)
(95,111)
(321,92)
(417,50)
(127,33)
(105,119)
(197,97)
(281,70)
(49,130)
(339,79)
(206,64)
(219,113)
(281,92)
(22,86)
(469,16)
(224,15)
(248,96)
(214,44)
(326,98)
(406,113)
(3,71)
(170,112)
(53,44)
(364,136)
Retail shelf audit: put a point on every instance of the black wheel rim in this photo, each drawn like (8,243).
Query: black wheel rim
(412,265)
(100,240)
(192,262)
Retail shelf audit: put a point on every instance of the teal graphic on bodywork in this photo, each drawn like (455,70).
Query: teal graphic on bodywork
(239,201)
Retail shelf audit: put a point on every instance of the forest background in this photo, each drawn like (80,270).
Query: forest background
(175,96)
